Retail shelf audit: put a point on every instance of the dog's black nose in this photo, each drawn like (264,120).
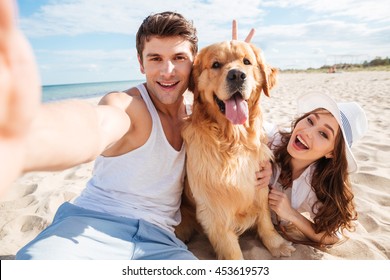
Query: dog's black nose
(235,75)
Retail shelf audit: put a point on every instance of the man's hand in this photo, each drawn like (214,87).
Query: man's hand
(263,176)
(234,32)
(20,94)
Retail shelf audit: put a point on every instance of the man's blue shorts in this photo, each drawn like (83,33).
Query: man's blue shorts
(78,233)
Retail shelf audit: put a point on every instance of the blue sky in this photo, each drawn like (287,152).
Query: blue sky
(79,41)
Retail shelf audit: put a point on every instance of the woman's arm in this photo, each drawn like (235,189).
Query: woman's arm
(279,202)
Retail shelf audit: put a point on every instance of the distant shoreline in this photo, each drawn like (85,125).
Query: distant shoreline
(325,69)
(84,90)
(100,82)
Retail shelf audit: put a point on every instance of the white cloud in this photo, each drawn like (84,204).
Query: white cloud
(330,35)
(317,51)
(78,17)
(359,9)
(74,17)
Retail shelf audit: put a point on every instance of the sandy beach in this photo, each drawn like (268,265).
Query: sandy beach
(32,201)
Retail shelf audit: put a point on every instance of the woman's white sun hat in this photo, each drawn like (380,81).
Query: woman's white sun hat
(350,116)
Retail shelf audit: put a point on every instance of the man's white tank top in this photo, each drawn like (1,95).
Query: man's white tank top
(145,183)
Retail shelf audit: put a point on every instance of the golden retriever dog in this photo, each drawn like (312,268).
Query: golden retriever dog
(225,143)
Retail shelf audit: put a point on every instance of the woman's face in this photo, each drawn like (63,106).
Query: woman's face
(313,137)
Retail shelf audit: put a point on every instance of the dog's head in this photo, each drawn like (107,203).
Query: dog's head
(228,78)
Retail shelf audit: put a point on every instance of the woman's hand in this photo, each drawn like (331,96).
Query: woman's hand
(280,204)
(234,32)
(263,176)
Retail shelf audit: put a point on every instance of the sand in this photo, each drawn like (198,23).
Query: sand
(34,198)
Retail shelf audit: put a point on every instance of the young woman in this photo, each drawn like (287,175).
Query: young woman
(311,194)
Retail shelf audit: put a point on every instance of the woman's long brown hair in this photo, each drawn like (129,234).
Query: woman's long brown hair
(330,182)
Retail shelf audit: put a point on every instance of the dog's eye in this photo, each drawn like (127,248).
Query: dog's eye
(246,61)
(216,65)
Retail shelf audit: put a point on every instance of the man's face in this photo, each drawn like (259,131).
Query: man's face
(167,64)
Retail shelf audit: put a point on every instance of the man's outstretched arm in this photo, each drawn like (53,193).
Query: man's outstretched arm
(35,136)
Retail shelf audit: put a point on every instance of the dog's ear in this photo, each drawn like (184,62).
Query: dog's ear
(269,75)
(191,83)
(267,72)
(194,77)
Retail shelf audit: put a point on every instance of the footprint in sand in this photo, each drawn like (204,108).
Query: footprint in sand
(380,147)
(29,189)
(18,203)
(24,224)
(361,156)
(21,190)
(371,180)
(30,222)
(368,168)
(372,188)
(20,197)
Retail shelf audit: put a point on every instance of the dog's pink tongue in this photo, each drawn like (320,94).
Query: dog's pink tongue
(236,109)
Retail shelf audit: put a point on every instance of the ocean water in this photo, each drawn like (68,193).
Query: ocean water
(85,90)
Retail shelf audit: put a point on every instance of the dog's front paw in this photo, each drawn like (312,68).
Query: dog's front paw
(278,246)
(284,250)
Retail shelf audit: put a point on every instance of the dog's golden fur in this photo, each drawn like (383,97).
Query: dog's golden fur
(222,157)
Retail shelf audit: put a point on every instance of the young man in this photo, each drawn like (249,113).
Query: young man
(131,204)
